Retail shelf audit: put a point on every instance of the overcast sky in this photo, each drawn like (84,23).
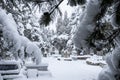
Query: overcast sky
(64,7)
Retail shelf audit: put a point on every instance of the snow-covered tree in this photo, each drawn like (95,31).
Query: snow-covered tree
(67,27)
(59,26)
(60,42)
(14,40)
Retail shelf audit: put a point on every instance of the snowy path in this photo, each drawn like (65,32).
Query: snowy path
(69,70)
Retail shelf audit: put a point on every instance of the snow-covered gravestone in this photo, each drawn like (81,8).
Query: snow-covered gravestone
(32,73)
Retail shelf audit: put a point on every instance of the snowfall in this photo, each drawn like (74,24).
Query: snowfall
(65,70)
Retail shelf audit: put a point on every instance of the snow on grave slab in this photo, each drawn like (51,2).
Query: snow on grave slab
(41,67)
(64,59)
(10,69)
(96,60)
(82,57)
(39,70)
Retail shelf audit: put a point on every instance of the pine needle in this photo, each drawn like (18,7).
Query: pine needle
(45,19)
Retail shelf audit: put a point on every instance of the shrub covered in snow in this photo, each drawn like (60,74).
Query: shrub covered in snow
(14,40)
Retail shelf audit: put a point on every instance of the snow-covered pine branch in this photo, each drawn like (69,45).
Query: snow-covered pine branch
(86,26)
(112,71)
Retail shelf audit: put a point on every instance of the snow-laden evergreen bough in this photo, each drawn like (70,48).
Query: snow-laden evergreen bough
(17,41)
(112,70)
(86,26)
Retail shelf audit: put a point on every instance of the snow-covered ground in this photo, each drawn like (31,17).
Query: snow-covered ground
(68,70)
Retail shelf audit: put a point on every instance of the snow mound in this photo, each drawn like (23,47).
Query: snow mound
(96,60)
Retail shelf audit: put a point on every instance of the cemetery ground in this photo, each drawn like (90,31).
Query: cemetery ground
(65,70)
